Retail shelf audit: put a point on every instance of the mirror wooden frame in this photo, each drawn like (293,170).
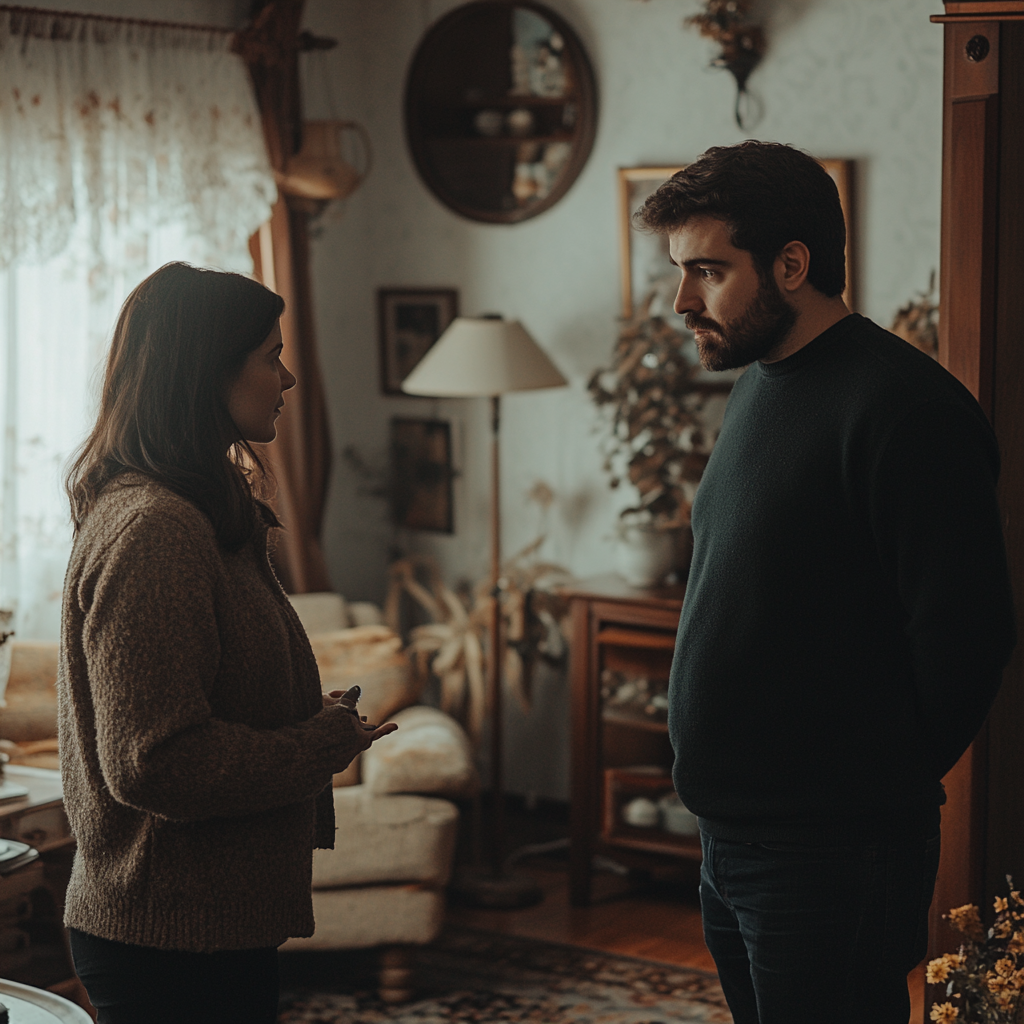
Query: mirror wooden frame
(421,110)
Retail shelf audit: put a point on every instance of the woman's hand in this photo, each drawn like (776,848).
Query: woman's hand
(367,732)
(346,698)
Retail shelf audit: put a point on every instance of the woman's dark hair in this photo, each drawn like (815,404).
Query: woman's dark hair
(181,337)
(769,195)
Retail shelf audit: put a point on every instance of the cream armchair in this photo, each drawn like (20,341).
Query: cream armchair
(383,883)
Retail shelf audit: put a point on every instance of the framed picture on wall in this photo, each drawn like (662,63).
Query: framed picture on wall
(644,262)
(410,320)
(643,259)
(421,466)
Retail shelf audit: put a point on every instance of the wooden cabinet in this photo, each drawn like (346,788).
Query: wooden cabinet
(980,325)
(622,643)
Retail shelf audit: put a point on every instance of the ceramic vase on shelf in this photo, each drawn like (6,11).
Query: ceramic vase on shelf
(644,555)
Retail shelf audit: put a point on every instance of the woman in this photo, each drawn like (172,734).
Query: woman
(196,747)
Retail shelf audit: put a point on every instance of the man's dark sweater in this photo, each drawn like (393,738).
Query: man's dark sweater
(848,610)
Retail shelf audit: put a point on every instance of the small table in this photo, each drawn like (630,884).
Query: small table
(32,1004)
(626,630)
(38,818)
(42,958)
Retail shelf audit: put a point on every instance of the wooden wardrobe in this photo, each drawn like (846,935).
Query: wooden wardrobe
(981,340)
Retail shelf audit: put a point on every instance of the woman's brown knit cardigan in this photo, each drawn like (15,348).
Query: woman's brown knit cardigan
(195,752)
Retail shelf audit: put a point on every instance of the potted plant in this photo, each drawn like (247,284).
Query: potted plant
(654,401)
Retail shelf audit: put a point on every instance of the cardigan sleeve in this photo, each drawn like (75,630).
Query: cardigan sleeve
(939,532)
(152,649)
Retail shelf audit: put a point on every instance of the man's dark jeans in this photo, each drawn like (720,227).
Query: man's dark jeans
(816,934)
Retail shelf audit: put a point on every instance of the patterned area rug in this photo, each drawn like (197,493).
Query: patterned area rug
(470,975)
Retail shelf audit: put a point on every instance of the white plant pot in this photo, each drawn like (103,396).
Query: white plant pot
(644,555)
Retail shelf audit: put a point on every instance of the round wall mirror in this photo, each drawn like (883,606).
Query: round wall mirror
(500,109)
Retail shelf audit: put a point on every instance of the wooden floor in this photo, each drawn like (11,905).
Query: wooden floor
(655,922)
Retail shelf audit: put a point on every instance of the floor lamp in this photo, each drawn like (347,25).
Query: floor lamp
(489,357)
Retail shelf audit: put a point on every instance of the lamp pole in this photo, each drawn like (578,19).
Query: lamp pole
(494,687)
(489,356)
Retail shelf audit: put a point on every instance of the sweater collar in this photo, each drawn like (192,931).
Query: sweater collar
(811,351)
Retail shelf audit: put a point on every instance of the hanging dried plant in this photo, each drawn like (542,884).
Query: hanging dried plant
(657,440)
(743,44)
(918,321)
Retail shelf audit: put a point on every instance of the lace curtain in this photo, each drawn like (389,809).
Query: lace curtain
(122,146)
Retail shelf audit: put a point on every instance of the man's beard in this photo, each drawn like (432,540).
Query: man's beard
(761,327)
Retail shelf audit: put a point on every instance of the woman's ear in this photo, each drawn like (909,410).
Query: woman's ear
(791,266)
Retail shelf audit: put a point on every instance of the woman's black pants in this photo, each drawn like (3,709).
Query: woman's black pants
(140,985)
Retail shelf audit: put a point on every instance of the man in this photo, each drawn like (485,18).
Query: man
(848,611)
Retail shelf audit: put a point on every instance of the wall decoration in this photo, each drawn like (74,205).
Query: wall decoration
(500,109)
(410,320)
(421,456)
(643,258)
(727,22)
(644,262)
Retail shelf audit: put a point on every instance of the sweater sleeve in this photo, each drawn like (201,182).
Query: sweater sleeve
(152,650)
(938,528)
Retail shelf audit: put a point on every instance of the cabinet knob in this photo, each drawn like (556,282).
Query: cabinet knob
(977,49)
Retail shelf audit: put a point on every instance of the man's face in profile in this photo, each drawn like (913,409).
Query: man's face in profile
(735,315)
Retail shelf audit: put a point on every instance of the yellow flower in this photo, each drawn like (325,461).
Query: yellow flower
(1005,967)
(1015,896)
(1001,904)
(939,969)
(1016,944)
(967,922)
(944,1013)
(1001,929)
(995,982)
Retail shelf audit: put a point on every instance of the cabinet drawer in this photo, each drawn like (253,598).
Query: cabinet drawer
(41,829)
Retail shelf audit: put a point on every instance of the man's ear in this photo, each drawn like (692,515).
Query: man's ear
(791,266)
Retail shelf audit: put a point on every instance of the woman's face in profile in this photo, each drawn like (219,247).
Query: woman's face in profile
(256,395)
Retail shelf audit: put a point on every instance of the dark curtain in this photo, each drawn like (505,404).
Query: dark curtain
(301,455)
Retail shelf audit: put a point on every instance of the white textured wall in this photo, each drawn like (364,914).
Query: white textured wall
(857,79)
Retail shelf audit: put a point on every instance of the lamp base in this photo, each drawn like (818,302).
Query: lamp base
(480,887)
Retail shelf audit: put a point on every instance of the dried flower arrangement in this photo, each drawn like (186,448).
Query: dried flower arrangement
(918,321)
(743,42)
(453,644)
(986,976)
(657,440)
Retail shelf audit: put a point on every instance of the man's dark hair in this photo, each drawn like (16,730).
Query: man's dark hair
(769,195)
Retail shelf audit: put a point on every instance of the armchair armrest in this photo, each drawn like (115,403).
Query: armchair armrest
(430,753)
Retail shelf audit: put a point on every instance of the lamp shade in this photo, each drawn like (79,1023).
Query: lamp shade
(482,357)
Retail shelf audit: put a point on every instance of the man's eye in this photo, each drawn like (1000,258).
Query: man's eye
(707,273)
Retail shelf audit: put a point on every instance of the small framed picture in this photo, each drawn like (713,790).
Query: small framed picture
(421,466)
(410,321)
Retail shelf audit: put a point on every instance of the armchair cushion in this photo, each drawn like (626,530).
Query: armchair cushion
(430,753)
(387,839)
(376,915)
(30,713)
(371,656)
